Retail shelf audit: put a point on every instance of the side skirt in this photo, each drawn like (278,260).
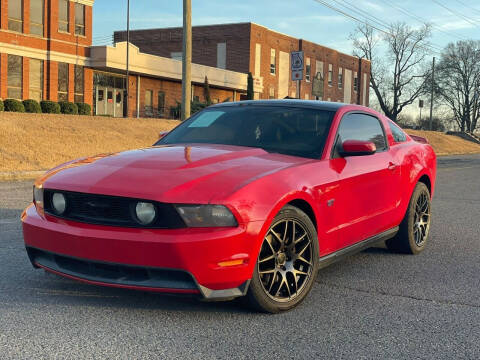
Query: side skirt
(355,248)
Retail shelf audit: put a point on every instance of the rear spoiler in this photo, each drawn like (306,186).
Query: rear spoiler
(419,139)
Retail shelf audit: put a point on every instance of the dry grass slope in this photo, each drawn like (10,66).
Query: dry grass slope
(447,144)
(41,141)
(32,142)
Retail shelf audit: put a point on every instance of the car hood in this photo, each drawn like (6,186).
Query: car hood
(172,173)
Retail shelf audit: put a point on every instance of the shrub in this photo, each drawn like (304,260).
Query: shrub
(1,105)
(68,108)
(32,106)
(14,105)
(84,109)
(50,107)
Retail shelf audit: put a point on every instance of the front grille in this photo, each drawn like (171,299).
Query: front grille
(110,210)
(109,273)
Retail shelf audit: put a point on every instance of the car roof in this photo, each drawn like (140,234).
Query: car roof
(323,105)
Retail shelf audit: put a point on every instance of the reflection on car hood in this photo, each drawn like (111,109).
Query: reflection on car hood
(173,173)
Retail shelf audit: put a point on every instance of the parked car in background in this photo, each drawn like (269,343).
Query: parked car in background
(243,199)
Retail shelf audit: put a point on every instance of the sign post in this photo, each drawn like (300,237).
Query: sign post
(297,65)
(317,85)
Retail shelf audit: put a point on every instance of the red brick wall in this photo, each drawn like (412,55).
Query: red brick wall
(173,94)
(3,75)
(52,83)
(241,40)
(338,60)
(163,42)
(270,40)
(67,43)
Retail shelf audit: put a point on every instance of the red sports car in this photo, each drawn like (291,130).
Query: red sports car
(242,199)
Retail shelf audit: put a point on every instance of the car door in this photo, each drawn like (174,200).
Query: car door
(368,184)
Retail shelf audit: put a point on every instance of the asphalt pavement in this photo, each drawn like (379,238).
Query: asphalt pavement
(373,305)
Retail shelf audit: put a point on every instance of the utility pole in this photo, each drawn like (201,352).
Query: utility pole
(359,76)
(128,56)
(187,59)
(431,94)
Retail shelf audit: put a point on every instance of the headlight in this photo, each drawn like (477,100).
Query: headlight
(59,203)
(145,212)
(206,215)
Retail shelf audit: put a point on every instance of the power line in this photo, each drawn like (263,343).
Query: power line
(467,19)
(377,20)
(350,16)
(468,7)
(421,20)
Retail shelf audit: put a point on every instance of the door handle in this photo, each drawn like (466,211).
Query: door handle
(392,166)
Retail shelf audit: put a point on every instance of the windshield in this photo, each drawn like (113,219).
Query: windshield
(280,129)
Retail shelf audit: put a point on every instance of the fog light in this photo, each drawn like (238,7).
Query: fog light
(59,203)
(145,212)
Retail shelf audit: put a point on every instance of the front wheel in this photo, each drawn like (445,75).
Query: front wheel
(414,229)
(287,264)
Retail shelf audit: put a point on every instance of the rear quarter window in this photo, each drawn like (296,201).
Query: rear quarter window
(398,134)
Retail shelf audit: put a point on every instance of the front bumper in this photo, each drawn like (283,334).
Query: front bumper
(179,261)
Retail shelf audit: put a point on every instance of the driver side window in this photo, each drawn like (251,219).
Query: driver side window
(355,126)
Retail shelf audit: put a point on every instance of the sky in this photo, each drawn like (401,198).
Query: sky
(452,20)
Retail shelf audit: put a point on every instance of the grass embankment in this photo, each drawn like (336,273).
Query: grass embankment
(33,142)
(30,142)
(447,144)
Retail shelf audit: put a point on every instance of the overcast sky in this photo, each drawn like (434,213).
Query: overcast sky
(307,19)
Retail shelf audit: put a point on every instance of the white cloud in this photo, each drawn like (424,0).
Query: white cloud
(372,5)
(455,25)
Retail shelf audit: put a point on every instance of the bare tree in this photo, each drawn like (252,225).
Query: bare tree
(457,82)
(398,58)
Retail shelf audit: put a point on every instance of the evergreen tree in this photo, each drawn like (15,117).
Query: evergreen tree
(250,87)
(206,92)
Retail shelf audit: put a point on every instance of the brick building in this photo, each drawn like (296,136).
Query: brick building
(248,47)
(46,54)
(45,48)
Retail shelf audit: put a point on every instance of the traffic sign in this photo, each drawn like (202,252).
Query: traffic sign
(296,61)
(297,75)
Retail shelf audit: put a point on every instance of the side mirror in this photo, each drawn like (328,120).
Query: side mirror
(357,148)
(162,134)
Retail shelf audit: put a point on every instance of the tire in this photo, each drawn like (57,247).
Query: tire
(414,229)
(287,263)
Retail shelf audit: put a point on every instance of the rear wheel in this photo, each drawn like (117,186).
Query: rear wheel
(287,264)
(414,229)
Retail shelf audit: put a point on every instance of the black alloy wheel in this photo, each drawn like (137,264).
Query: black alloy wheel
(287,264)
(414,229)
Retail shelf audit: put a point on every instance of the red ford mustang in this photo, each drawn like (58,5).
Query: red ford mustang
(242,199)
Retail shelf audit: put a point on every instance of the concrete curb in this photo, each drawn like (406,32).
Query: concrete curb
(20,175)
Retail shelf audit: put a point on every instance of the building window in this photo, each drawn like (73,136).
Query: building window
(78,84)
(307,70)
(222,55)
(340,78)
(273,61)
(148,103)
(355,81)
(79,19)
(36,17)
(15,15)
(15,79)
(36,80)
(330,74)
(161,103)
(63,15)
(62,82)
(271,94)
